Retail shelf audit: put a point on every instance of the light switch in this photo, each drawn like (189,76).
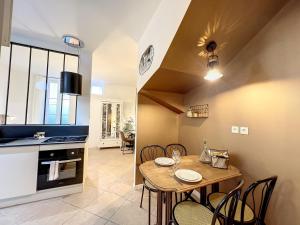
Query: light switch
(235,129)
(244,130)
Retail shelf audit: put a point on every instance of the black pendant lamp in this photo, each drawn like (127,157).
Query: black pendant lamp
(71,83)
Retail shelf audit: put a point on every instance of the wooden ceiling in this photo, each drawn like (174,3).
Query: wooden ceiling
(231,23)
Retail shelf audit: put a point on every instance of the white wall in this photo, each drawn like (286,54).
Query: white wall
(160,33)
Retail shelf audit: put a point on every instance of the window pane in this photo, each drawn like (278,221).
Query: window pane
(69,109)
(71,63)
(53,102)
(4,64)
(18,85)
(37,87)
(56,62)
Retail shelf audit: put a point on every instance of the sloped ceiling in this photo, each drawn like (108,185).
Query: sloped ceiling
(90,20)
(231,23)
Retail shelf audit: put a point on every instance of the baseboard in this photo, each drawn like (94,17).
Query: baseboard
(42,195)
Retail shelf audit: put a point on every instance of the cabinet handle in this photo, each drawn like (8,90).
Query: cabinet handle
(62,161)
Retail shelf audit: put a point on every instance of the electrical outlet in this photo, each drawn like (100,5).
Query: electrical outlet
(244,130)
(235,129)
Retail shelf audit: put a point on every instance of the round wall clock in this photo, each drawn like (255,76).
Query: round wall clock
(146,60)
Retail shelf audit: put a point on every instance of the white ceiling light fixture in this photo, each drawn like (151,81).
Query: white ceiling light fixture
(213,72)
(72,41)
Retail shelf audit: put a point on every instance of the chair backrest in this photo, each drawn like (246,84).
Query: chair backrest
(122,136)
(171,147)
(151,152)
(260,194)
(228,206)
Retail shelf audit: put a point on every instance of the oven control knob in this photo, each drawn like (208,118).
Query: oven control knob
(72,153)
(51,154)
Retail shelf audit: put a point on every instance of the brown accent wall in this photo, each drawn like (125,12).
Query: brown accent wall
(155,125)
(261,90)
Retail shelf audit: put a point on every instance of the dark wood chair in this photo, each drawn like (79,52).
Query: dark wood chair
(127,143)
(257,194)
(149,153)
(171,147)
(192,213)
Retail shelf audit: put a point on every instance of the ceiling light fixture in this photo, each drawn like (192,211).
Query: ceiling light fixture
(70,82)
(213,72)
(72,41)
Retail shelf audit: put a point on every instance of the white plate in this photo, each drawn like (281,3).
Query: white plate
(188,175)
(164,161)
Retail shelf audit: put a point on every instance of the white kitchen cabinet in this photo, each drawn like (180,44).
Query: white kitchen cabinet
(18,171)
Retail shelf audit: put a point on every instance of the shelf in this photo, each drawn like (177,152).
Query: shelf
(197,111)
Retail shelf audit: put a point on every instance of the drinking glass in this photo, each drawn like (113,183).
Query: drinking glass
(176,158)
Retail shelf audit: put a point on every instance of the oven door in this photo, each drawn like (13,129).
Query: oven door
(59,168)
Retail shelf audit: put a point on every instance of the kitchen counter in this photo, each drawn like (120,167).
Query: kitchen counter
(33,141)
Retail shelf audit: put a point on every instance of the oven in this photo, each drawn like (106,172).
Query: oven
(60,167)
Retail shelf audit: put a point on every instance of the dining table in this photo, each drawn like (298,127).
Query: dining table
(166,183)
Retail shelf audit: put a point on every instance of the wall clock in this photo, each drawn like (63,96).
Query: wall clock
(146,60)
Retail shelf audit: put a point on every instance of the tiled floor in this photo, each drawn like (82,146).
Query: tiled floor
(108,199)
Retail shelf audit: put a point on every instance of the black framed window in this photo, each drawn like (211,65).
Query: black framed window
(30,86)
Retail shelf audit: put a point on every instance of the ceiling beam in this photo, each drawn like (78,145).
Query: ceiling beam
(161,101)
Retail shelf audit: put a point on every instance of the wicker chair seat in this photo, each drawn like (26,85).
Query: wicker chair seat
(192,213)
(215,198)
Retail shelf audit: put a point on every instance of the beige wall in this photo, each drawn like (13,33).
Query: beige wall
(261,90)
(155,125)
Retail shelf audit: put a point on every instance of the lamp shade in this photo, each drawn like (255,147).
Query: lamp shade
(70,83)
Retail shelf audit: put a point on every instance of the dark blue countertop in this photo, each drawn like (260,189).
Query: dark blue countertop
(13,142)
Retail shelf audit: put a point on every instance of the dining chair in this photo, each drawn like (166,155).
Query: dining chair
(171,147)
(192,213)
(149,153)
(259,194)
(126,143)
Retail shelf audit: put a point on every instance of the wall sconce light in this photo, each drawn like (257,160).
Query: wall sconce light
(213,72)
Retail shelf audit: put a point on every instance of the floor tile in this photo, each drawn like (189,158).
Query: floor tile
(130,214)
(85,218)
(83,199)
(105,205)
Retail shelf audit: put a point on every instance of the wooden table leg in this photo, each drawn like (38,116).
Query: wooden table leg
(203,196)
(159,208)
(168,207)
(215,187)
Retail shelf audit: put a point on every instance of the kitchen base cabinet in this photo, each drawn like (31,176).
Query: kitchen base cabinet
(18,171)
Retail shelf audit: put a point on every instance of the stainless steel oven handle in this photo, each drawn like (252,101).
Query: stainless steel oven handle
(62,161)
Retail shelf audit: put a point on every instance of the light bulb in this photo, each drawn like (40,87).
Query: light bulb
(213,74)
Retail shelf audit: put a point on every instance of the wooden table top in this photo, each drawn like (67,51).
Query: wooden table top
(162,179)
